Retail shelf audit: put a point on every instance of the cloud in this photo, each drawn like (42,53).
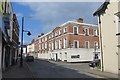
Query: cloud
(54,14)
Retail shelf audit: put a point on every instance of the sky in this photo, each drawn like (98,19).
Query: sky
(42,17)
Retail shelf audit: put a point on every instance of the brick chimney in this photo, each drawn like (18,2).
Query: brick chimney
(80,20)
(42,34)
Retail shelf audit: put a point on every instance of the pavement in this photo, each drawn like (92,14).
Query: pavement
(16,71)
(107,75)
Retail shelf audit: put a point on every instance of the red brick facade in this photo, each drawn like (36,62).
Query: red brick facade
(64,37)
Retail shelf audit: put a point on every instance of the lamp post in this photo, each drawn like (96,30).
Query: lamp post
(21,58)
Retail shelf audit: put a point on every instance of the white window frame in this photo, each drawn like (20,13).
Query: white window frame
(52,45)
(65,30)
(88,44)
(87,31)
(60,44)
(60,31)
(77,43)
(56,44)
(65,42)
(74,29)
(46,45)
(52,34)
(39,46)
(96,44)
(95,32)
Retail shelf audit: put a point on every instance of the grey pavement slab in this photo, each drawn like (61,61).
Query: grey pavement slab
(17,72)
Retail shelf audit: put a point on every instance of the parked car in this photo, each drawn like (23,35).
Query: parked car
(94,63)
(29,58)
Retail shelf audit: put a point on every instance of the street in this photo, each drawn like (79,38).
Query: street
(50,69)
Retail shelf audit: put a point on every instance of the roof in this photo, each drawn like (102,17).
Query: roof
(117,14)
(102,8)
(67,23)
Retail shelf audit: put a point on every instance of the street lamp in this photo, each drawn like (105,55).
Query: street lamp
(28,33)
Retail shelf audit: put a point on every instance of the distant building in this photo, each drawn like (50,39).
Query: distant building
(71,42)
(30,49)
(108,24)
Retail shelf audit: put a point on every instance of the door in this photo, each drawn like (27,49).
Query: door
(65,56)
(56,57)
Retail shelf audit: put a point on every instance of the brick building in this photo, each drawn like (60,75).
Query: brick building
(71,42)
(15,39)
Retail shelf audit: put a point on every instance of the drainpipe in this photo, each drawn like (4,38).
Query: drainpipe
(102,67)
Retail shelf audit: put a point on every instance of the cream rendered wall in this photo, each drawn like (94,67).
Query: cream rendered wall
(43,55)
(110,41)
(119,38)
(118,44)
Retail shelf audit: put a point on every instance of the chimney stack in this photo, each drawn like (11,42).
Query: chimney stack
(42,34)
(80,20)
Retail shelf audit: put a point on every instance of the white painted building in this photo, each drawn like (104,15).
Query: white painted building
(30,49)
(108,24)
(73,55)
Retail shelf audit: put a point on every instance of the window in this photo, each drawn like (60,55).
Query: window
(52,45)
(56,34)
(86,44)
(52,35)
(60,44)
(87,32)
(65,42)
(76,44)
(49,46)
(95,32)
(56,44)
(75,30)
(60,32)
(95,45)
(45,45)
(65,29)
(42,46)
(45,38)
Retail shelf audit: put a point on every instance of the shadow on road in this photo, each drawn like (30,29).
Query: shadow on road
(46,69)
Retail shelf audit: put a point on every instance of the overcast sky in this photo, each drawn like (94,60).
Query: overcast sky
(47,15)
